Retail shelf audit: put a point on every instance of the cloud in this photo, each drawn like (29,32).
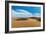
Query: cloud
(21,13)
(37,15)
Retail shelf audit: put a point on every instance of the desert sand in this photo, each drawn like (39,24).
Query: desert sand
(25,23)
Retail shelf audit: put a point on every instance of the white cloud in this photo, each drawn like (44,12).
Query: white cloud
(21,14)
(37,15)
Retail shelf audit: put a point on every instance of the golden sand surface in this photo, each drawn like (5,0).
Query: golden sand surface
(25,23)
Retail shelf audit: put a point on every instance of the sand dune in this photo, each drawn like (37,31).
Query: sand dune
(25,23)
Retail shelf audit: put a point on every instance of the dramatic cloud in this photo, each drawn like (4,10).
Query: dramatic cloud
(21,13)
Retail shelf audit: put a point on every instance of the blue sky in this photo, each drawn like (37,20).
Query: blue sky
(30,9)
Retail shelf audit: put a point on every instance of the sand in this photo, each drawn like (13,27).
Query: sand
(25,23)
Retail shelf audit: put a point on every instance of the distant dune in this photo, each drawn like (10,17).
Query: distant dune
(30,22)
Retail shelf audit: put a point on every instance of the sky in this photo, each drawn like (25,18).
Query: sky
(25,11)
